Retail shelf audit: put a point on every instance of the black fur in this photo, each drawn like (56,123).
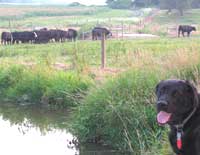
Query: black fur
(180,98)
(185,28)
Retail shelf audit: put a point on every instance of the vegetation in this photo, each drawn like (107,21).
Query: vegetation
(121,112)
(29,17)
(116,110)
(19,84)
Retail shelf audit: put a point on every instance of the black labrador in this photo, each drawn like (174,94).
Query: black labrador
(178,106)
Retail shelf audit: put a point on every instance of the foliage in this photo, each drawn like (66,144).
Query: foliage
(180,5)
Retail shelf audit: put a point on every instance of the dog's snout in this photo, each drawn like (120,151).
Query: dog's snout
(164,103)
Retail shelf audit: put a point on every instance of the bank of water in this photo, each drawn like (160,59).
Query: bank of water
(39,130)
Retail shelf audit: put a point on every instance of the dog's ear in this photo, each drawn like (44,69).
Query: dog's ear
(157,86)
(192,89)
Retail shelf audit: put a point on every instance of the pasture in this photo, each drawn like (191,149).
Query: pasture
(112,106)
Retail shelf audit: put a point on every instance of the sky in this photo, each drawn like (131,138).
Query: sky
(86,2)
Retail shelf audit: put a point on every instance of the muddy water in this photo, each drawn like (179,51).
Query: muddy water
(34,130)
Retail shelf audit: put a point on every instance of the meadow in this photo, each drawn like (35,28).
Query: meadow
(30,17)
(112,106)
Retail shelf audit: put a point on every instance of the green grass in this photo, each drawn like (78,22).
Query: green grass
(120,54)
(121,113)
(41,85)
(58,16)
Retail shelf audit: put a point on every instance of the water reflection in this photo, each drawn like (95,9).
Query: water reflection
(33,130)
(36,130)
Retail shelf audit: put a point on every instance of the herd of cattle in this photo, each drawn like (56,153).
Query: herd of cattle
(44,35)
(39,36)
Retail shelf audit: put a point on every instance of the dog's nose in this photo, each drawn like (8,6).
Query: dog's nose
(162,103)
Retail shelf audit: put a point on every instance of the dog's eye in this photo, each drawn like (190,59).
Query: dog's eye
(175,93)
(163,89)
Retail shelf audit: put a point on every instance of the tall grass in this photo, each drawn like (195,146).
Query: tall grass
(121,112)
(42,85)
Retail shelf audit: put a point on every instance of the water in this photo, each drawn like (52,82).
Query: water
(35,130)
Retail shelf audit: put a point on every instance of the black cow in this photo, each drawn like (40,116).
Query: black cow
(72,34)
(23,37)
(63,35)
(6,38)
(185,28)
(97,33)
(55,35)
(43,36)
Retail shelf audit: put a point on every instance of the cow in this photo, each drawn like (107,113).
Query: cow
(23,37)
(63,35)
(185,28)
(97,33)
(72,34)
(6,38)
(43,36)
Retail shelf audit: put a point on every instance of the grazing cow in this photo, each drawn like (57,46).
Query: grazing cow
(6,38)
(23,37)
(63,35)
(185,28)
(58,35)
(43,36)
(72,34)
(97,32)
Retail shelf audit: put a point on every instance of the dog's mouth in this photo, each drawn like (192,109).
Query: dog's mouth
(163,117)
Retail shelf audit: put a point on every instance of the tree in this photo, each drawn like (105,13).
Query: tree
(180,5)
(120,4)
(145,3)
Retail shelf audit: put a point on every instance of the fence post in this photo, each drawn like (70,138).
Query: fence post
(103,51)
(122,30)
(10,25)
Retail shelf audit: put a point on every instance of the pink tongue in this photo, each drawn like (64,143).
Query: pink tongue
(163,117)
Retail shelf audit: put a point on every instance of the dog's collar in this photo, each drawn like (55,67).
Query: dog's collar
(179,129)
(180,126)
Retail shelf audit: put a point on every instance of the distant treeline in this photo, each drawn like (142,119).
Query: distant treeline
(179,5)
(127,4)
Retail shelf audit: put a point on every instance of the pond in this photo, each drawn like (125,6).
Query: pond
(36,130)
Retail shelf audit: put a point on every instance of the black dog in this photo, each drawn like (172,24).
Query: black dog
(178,106)
(185,28)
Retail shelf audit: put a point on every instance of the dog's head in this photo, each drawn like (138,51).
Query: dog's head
(175,101)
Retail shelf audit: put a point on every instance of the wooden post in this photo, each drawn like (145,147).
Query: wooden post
(122,30)
(103,51)
(83,35)
(10,25)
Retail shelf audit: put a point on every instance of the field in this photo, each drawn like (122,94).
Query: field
(112,106)
(30,17)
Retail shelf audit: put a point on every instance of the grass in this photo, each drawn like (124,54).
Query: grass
(109,112)
(57,16)
(121,113)
(41,85)
(125,53)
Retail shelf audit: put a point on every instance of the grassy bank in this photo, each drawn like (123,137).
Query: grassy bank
(41,85)
(121,113)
